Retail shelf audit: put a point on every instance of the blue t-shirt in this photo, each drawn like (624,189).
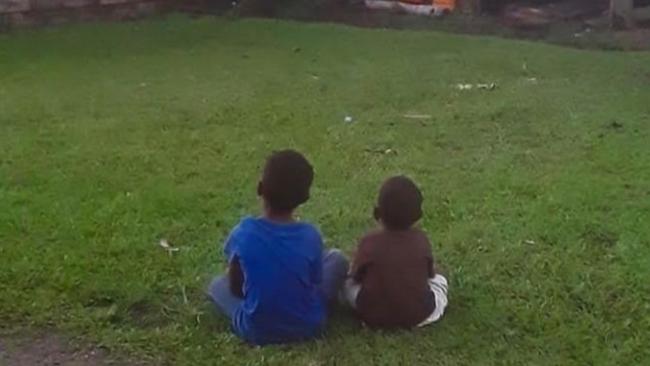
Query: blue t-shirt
(283,270)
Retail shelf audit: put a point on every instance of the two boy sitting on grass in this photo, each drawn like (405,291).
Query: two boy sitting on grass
(281,280)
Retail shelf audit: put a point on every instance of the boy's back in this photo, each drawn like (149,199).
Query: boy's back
(282,264)
(393,268)
(279,278)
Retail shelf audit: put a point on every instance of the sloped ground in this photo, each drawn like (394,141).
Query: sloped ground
(113,136)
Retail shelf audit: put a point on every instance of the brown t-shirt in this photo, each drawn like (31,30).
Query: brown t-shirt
(393,268)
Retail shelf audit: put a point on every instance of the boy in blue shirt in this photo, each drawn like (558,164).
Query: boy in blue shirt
(280,280)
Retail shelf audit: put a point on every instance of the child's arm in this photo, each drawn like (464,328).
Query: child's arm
(431,267)
(236,277)
(359,274)
(360,262)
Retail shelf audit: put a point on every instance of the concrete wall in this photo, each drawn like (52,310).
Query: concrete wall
(44,12)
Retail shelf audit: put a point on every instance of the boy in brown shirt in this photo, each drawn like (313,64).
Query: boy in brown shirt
(393,283)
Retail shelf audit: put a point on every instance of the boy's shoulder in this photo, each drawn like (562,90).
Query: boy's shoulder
(252,224)
(246,224)
(372,235)
(311,229)
(412,233)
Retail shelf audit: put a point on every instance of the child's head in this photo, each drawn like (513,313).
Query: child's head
(286,180)
(399,205)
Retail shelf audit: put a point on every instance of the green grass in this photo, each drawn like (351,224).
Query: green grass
(537,194)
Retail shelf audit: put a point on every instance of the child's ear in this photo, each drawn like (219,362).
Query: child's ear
(376,214)
(260,188)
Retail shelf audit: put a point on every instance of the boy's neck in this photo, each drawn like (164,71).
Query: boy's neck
(386,228)
(278,216)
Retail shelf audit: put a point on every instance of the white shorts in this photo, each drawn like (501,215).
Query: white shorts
(437,284)
(439,287)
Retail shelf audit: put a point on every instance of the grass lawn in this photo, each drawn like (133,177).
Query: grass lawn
(537,193)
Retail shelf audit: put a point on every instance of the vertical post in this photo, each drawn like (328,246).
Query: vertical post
(621,13)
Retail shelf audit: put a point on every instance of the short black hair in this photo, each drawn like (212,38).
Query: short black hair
(286,180)
(399,205)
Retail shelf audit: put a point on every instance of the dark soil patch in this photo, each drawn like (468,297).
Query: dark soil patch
(615,125)
(144,314)
(600,237)
(52,349)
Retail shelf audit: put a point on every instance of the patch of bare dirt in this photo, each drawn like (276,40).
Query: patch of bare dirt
(52,349)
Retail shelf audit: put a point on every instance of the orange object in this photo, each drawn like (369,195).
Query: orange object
(445,4)
(440,4)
